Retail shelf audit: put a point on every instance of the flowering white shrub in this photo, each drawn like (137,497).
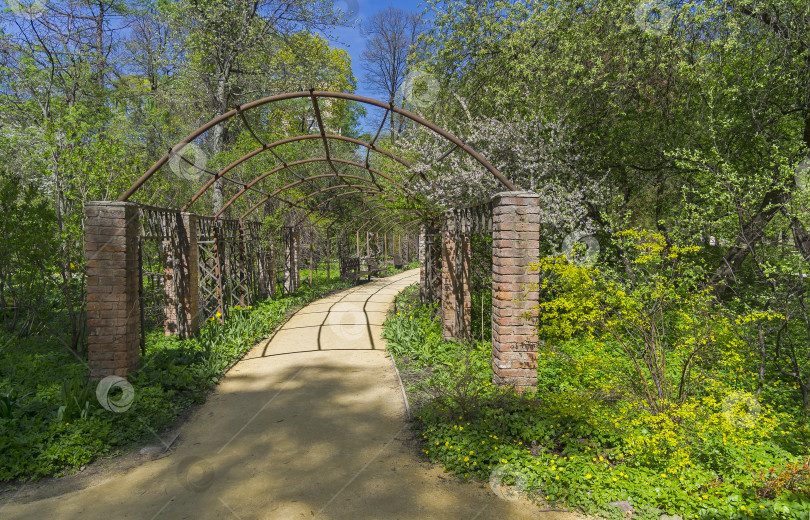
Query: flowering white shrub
(532,151)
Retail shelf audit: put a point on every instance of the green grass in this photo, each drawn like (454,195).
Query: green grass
(582,450)
(51,421)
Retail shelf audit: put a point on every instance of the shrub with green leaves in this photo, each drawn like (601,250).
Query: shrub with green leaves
(697,438)
(51,421)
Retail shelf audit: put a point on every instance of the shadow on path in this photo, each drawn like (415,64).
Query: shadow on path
(311,424)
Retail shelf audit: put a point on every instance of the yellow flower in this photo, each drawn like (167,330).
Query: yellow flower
(219,315)
(588,476)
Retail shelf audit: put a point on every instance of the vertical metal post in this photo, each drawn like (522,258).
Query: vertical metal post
(243,300)
(219,271)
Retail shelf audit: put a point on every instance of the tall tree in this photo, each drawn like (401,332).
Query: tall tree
(392,34)
(231,43)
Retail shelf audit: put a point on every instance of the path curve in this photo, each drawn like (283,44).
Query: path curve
(310,424)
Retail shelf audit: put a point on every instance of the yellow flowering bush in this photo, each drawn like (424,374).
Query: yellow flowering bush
(657,324)
(647,392)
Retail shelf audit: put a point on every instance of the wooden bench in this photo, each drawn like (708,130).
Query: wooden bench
(398,262)
(374,267)
(351,269)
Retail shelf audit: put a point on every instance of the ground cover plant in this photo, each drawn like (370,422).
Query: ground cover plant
(649,392)
(51,420)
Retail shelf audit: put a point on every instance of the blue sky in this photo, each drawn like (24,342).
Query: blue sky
(353,41)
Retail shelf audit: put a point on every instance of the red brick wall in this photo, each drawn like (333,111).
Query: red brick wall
(113,319)
(515,246)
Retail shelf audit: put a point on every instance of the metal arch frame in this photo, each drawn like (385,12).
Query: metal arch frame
(389,226)
(364,189)
(290,186)
(331,225)
(332,160)
(330,200)
(367,192)
(404,226)
(269,148)
(376,226)
(314,95)
(364,195)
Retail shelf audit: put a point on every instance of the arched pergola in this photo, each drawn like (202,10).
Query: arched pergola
(374,178)
(211,261)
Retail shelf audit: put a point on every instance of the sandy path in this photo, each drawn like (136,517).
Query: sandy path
(311,423)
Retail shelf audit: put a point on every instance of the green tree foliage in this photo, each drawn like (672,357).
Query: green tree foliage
(92,93)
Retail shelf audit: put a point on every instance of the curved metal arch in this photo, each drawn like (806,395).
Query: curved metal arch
(363,194)
(293,185)
(298,163)
(328,188)
(309,195)
(376,226)
(381,209)
(404,226)
(269,148)
(330,199)
(314,95)
(325,215)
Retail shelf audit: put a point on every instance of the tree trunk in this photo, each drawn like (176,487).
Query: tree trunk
(217,195)
(751,234)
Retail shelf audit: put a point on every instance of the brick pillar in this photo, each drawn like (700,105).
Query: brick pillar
(515,246)
(181,288)
(456,304)
(113,312)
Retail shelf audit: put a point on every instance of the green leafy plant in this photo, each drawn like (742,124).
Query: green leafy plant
(76,398)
